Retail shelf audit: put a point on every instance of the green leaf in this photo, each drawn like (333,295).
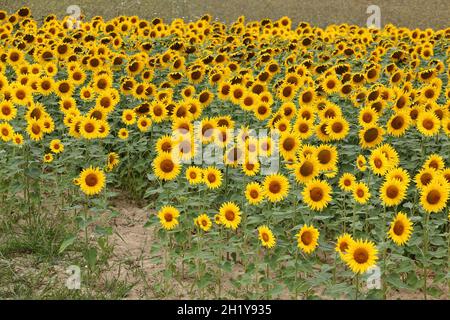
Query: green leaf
(66,243)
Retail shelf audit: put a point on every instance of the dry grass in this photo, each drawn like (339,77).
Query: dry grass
(409,13)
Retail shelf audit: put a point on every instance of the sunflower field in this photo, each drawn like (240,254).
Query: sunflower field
(273,160)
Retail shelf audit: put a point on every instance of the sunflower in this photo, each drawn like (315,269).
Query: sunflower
(168,217)
(361,255)
(6,131)
(392,192)
(303,128)
(128,116)
(306,169)
(35,130)
(89,128)
(266,237)
(343,243)
(288,144)
(194,175)
(434,161)
(398,124)
(7,111)
(370,136)
(337,128)
(92,180)
(165,167)
(254,193)
(434,197)
(230,215)
(428,124)
(17,139)
(203,222)
(347,181)
(327,157)
(379,162)
(361,193)
(165,143)
(48,157)
(401,229)
(400,174)
(250,166)
(276,187)
(56,146)
(212,177)
(317,194)
(307,238)
(361,163)
(424,177)
(123,134)
(112,160)
(144,123)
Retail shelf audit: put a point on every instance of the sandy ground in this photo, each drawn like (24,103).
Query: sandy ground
(410,13)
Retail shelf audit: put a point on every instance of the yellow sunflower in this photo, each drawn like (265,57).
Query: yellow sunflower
(92,180)
(230,215)
(401,229)
(165,167)
(392,192)
(266,237)
(56,146)
(203,222)
(254,193)
(307,238)
(276,187)
(168,217)
(317,194)
(434,197)
(212,177)
(347,181)
(361,255)
(343,243)
(194,175)
(361,193)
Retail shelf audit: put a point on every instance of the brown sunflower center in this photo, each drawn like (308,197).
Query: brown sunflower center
(289,144)
(392,192)
(229,215)
(361,255)
(306,169)
(254,194)
(399,228)
(168,217)
(433,197)
(274,187)
(428,124)
(316,194)
(265,236)
(91,180)
(324,156)
(397,123)
(306,238)
(371,135)
(167,165)
(212,177)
